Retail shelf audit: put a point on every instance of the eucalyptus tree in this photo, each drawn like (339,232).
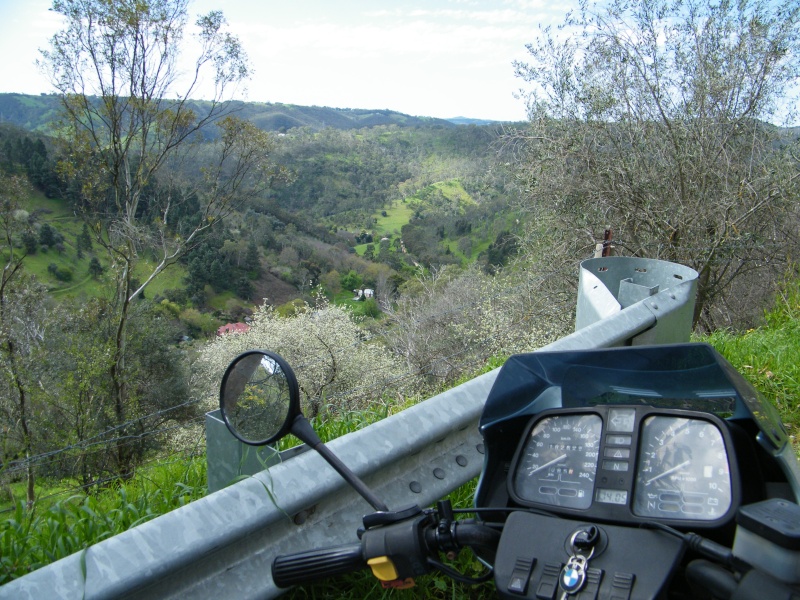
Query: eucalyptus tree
(659,119)
(133,140)
(21,333)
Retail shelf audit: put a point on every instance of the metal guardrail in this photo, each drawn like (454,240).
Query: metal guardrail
(222,546)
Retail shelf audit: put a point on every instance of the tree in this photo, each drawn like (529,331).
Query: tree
(129,125)
(84,240)
(95,268)
(21,302)
(80,391)
(351,281)
(252,259)
(335,369)
(30,242)
(47,235)
(449,321)
(653,118)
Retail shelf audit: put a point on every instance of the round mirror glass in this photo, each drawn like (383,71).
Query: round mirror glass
(257,397)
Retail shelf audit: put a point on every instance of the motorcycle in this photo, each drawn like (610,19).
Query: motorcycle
(626,473)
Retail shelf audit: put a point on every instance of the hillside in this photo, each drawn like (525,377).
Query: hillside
(36,113)
(352,197)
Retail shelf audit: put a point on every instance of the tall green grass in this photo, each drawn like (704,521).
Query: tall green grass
(769,357)
(30,539)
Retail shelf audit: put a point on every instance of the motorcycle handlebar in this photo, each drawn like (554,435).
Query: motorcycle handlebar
(317,564)
(407,544)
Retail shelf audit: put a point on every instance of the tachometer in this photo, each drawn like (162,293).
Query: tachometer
(683,470)
(559,461)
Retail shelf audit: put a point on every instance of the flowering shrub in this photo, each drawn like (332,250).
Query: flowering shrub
(336,367)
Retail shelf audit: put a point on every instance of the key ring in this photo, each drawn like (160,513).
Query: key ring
(579,551)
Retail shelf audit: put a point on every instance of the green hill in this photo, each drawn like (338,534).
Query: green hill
(36,113)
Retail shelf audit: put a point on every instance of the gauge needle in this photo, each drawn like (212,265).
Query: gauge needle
(552,462)
(667,472)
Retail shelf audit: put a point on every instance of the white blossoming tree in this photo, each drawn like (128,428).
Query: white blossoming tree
(337,368)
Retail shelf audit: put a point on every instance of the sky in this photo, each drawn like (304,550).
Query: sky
(437,58)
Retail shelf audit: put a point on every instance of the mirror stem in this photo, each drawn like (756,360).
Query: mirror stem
(302,429)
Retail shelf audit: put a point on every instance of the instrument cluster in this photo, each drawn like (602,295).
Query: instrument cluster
(626,461)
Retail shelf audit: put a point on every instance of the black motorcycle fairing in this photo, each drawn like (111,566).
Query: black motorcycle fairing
(673,377)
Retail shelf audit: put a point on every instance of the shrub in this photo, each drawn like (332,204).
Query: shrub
(60,273)
(324,345)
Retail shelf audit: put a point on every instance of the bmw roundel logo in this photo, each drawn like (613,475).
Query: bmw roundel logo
(571,579)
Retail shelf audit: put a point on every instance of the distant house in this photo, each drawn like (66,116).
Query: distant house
(233,328)
(364,294)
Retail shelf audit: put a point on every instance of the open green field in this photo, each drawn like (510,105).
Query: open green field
(58,215)
(397,215)
(454,192)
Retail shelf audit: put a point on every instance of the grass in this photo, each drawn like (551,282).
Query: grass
(769,357)
(56,212)
(455,192)
(397,215)
(30,539)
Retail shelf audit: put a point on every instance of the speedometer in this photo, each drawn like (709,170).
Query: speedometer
(558,463)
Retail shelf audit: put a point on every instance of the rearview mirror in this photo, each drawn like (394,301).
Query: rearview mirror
(259,397)
(260,403)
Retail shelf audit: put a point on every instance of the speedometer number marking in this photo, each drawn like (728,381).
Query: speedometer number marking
(559,461)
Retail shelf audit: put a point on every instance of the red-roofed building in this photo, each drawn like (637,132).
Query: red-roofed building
(233,328)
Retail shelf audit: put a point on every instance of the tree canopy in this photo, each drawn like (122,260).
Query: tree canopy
(129,126)
(655,119)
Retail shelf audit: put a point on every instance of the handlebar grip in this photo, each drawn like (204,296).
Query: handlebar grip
(303,567)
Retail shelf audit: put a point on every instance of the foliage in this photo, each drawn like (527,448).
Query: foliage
(335,369)
(447,323)
(351,280)
(224,264)
(650,118)
(21,154)
(95,268)
(73,431)
(30,539)
(21,308)
(62,274)
(200,325)
(767,356)
(127,127)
